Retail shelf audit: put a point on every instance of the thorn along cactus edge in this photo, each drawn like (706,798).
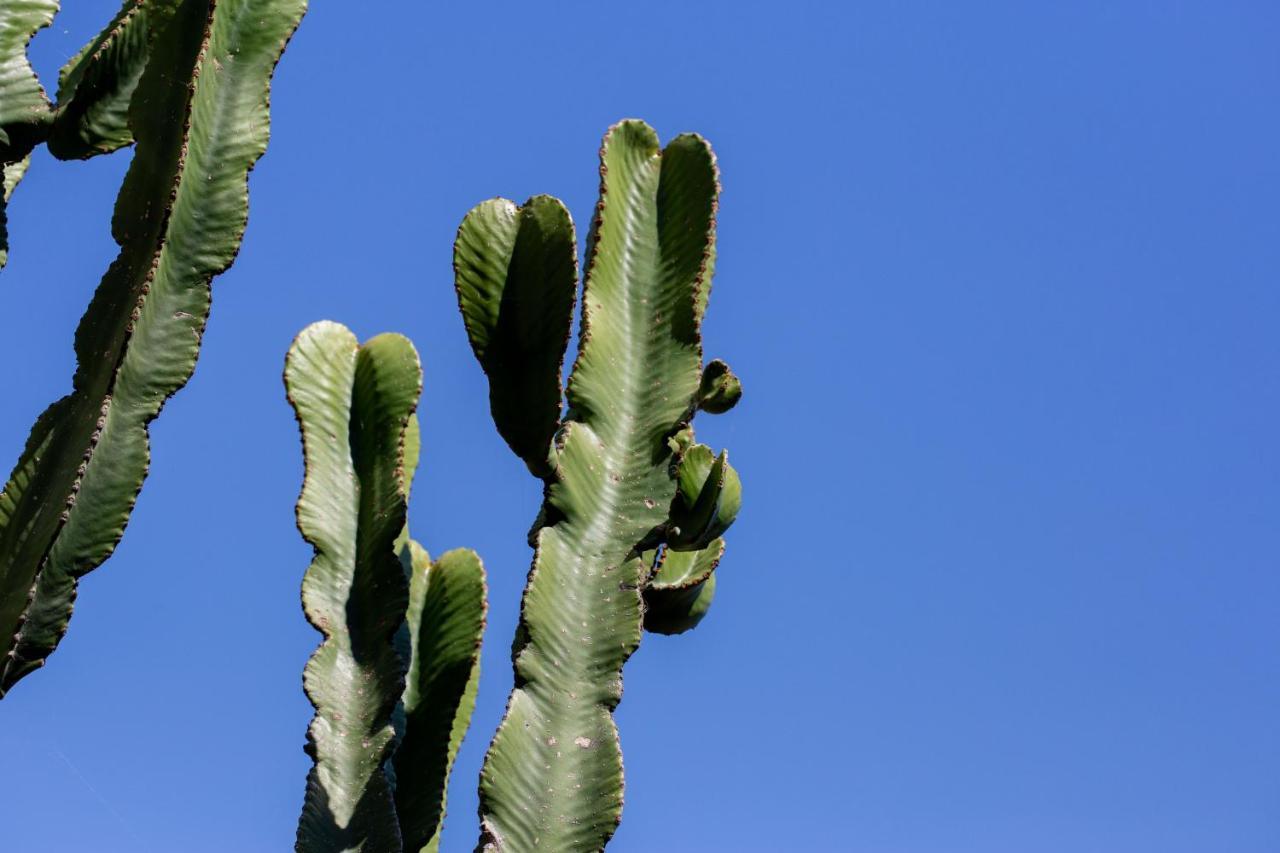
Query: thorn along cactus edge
(188,82)
(628,538)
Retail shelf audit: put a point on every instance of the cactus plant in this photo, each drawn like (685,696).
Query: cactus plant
(633,510)
(394,681)
(199,115)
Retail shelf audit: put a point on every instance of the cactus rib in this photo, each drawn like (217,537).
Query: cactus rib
(446,618)
(200,117)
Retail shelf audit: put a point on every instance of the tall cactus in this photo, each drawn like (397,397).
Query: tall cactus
(394,681)
(199,115)
(625,486)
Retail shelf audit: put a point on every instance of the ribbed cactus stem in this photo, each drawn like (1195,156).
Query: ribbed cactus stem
(553,775)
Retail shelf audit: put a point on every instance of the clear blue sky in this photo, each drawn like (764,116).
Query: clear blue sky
(1003,283)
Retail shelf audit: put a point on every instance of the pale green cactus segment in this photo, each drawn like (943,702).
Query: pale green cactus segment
(446,619)
(553,775)
(516,273)
(353,405)
(201,120)
(96,85)
(13,173)
(25,111)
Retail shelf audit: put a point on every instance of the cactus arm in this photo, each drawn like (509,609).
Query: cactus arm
(200,116)
(708,500)
(516,272)
(553,775)
(13,173)
(95,86)
(680,592)
(446,621)
(353,405)
(25,111)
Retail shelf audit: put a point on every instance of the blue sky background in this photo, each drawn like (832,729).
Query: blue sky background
(1003,284)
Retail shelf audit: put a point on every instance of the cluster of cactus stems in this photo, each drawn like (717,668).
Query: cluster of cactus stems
(187,82)
(628,537)
(631,527)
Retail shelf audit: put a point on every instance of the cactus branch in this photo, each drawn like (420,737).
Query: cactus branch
(200,117)
(95,86)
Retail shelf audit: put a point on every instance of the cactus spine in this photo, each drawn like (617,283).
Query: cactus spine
(199,115)
(394,681)
(624,485)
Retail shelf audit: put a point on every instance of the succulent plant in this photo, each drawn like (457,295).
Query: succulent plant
(394,681)
(630,529)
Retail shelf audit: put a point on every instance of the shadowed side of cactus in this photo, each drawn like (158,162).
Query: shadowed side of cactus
(393,683)
(199,114)
(553,775)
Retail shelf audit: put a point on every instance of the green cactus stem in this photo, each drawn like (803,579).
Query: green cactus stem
(552,778)
(13,173)
(394,681)
(200,117)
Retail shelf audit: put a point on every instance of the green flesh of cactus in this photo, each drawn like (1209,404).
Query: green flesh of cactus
(553,775)
(394,681)
(96,85)
(25,111)
(199,114)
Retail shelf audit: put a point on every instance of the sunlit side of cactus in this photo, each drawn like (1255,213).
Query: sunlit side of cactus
(634,511)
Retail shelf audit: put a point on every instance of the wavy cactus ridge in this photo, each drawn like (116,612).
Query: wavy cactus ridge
(552,778)
(353,404)
(178,220)
(96,85)
(25,111)
(446,617)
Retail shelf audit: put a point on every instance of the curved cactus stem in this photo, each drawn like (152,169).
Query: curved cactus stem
(516,273)
(552,779)
(95,86)
(446,621)
(200,115)
(353,405)
(13,172)
(25,111)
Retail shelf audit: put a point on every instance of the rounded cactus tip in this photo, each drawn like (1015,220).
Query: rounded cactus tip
(720,389)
